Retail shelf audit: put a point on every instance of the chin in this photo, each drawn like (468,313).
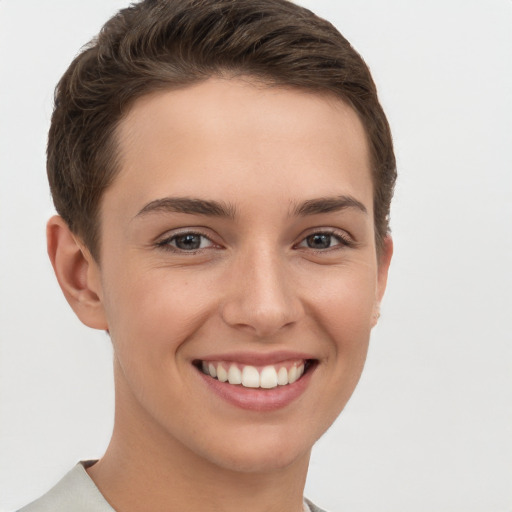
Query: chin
(260,453)
(269,462)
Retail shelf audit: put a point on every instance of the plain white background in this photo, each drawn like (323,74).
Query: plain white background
(429,428)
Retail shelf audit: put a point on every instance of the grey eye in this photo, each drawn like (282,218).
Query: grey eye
(319,241)
(187,242)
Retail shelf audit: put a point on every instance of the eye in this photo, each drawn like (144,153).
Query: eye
(324,240)
(188,242)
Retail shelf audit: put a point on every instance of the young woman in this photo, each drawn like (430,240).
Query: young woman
(222,171)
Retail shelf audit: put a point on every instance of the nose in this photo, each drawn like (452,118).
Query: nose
(262,296)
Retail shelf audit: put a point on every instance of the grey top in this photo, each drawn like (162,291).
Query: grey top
(76,492)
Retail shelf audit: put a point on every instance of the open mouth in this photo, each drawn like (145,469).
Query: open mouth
(248,376)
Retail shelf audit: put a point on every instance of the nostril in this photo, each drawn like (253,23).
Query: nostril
(263,301)
(262,322)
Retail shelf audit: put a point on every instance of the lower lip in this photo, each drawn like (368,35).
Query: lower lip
(258,399)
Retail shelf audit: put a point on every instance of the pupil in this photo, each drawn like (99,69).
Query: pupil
(319,241)
(188,242)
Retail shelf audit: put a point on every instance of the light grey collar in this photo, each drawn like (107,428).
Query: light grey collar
(76,492)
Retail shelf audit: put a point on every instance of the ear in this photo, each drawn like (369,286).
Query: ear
(77,272)
(383,262)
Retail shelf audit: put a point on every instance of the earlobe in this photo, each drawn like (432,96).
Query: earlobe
(77,273)
(384,261)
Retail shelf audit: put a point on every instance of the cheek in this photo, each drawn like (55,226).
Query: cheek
(151,320)
(344,310)
(344,303)
(154,314)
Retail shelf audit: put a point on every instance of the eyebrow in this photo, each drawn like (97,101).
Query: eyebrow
(328,205)
(189,205)
(195,206)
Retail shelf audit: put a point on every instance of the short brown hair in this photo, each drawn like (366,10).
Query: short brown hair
(166,44)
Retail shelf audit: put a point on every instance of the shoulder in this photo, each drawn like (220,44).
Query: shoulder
(313,507)
(76,492)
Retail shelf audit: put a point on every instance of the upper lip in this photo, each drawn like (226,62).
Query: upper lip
(257,358)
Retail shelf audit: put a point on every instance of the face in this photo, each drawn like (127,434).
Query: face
(237,245)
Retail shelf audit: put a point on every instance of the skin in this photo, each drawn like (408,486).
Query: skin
(255,286)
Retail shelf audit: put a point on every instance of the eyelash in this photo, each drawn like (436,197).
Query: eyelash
(166,243)
(343,241)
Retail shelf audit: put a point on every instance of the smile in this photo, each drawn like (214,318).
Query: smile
(248,376)
(261,383)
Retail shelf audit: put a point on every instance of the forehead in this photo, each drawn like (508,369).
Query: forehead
(232,135)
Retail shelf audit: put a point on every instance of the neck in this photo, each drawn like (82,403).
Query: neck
(145,468)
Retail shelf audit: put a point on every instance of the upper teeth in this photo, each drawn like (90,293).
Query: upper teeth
(251,377)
